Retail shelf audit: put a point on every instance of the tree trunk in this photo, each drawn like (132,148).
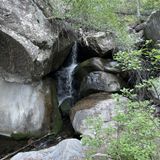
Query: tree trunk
(138,8)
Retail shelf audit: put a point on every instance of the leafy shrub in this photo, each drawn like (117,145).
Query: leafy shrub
(129,60)
(133,59)
(98,15)
(133,138)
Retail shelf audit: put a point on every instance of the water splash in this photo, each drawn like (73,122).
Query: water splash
(65,77)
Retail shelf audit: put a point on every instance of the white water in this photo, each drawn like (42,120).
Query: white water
(65,77)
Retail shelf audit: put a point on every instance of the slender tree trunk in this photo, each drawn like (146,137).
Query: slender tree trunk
(138,8)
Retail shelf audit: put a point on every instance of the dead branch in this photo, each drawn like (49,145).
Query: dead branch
(8,156)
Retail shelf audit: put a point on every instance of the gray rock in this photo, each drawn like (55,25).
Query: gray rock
(46,7)
(65,106)
(69,149)
(102,43)
(28,109)
(100,104)
(155,89)
(96,64)
(26,42)
(62,47)
(140,27)
(152,29)
(100,81)
(59,6)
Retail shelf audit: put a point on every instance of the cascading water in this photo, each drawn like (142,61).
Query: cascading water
(65,76)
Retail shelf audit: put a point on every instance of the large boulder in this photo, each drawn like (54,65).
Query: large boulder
(26,42)
(155,89)
(69,149)
(65,106)
(50,7)
(96,64)
(28,109)
(98,44)
(95,105)
(101,42)
(45,6)
(100,81)
(152,28)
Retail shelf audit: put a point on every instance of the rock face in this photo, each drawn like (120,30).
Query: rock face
(155,89)
(95,64)
(100,42)
(62,47)
(70,149)
(45,6)
(152,29)
(65,106)
(28,109)
(26,42)
(100,104)
(139,27)
(99,81)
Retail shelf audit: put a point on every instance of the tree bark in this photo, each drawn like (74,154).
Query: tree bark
(138,8)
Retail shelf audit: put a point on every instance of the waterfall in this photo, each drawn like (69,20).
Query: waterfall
(65,76)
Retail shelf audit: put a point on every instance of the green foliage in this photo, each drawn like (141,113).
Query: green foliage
(104,15)
(134,135)
(93,10)
(97,138)
(100,15)
(137,134)
(96,129)
(129,60)
(149,5)
(133,59)
(136,130)
(130,6)
(151,85)
(153,56)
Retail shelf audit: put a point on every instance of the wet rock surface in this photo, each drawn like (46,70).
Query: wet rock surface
(65,106)
(10,144)
(69,149)
(28,109)
(62,47)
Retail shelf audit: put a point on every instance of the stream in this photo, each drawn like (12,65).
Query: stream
(64,77)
